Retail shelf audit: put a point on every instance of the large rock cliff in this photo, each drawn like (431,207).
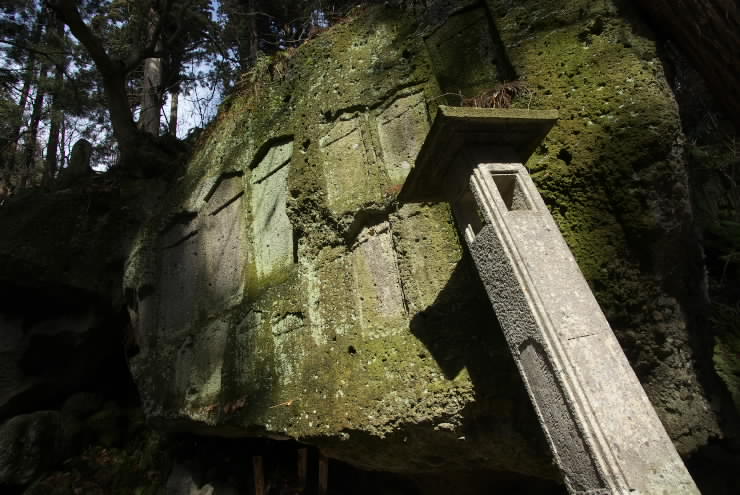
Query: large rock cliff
(283,292)
(275,287)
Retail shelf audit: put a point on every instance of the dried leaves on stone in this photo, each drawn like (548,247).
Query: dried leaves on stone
(500,96)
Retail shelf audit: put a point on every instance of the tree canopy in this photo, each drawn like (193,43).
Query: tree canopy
(104,70)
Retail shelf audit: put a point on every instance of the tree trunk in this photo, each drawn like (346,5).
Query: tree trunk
(56,112)
(56,117)
(25,93)
(33,130)
(62,143)
(151,87)
(151,102)
(113,72)
(28,80)
(174,100)
(252,30)
(124,128)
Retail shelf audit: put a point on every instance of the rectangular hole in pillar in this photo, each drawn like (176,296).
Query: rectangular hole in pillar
(511,191)
(467,215)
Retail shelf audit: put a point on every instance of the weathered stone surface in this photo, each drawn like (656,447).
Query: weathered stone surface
(619,194)
(81,405)
(272,233)
(463,51)
(369,339)
(181,482)
(29,443)
(85,227)
(201,258)
(707,33)
(45,357)
(603,431)
(105,425)
(346,164)
(380,305)
(402,128)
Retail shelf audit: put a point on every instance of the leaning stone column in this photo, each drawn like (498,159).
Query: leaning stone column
(603,432)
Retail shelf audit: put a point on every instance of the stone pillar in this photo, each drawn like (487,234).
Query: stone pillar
(602,430)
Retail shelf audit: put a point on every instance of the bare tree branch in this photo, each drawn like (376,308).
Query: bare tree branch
(67,11)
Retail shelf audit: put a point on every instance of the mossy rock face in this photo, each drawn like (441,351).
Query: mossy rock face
(283,292)
(613,172)
(74,237)
(727,348)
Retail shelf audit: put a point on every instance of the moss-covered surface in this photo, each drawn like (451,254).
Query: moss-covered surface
(713,153)
(378,343)
(727,348)
(74,237)
(613,172)
(335,347)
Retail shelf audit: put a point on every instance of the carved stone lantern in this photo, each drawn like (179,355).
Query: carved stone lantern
(601,428)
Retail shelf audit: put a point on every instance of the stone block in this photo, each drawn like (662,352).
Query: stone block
(402,128)
(350,180)
(223,237)
(201,259)
(428,248)
(42,362)
(463,54)
(198,366)
(272,233)
(37,444)
(377,284)
(179,273)
(330,284)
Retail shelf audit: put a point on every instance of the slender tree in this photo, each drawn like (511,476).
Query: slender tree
(15,157)
(151,84)
(55,37)
(174,103)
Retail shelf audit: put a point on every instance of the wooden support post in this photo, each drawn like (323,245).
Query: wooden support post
(302,468)
(323,474)
(259,475)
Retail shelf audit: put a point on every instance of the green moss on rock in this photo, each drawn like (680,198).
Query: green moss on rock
(378,337)
(613,173)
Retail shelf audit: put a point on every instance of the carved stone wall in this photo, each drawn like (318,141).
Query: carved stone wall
(283,292)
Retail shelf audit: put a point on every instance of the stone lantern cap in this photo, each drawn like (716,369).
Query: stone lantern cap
(462,137)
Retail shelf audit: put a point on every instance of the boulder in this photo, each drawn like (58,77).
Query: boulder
(81,405)
(47,356)
(29,444)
